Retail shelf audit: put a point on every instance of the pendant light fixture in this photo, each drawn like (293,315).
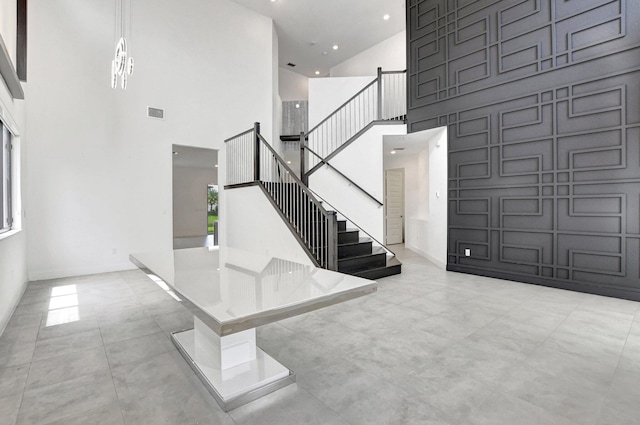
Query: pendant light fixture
(122,64)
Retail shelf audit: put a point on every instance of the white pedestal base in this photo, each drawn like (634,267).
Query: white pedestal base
(232,368)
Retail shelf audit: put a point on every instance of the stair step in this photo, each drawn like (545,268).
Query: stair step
(362,262)
(356,255)
(393,267)
(348,236)
(354,249)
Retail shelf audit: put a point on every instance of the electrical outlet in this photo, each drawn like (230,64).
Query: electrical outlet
(467,252)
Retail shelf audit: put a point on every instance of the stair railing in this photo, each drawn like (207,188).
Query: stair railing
(383,99)
(360,229)
(305,177)
(393,106)
(344,122)
(252,161)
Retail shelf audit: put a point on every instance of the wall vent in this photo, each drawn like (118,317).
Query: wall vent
(155,113)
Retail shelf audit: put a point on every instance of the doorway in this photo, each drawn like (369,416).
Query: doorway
(394,206)
(212,212)
(423,156)
(195,200)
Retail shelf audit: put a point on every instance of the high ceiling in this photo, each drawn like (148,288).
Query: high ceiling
(308,29)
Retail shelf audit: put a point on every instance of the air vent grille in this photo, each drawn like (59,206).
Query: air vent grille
(157,113)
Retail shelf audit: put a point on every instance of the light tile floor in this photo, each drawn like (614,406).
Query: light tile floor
(430,347)
(193,242)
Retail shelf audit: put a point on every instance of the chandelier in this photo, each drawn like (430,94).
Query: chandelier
(122,64)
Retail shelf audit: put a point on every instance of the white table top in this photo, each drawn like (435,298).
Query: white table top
(233,290)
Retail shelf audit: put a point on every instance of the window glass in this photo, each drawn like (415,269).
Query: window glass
(5,186)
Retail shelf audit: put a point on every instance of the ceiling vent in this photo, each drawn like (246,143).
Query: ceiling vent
(292,65)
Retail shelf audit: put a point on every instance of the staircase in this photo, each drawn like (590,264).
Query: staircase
(357,255)
(330,242)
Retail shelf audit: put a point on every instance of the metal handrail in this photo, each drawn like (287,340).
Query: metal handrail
(383,99)
(240,150)
(301,208)
(364,89)
(252,160)
(353,222)
(356,185)
(239,135)
(292,174)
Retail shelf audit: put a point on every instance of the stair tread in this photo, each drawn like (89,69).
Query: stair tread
(362,240)
(377,250)
(372,254)
(393,267)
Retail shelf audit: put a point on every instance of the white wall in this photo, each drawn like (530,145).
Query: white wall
(13,246)
(425,195)
(390,55)
(416,175)
(99,169)
(190,200)
(9,25)
(258,227)
(362,162)
(293,86)
(328,94)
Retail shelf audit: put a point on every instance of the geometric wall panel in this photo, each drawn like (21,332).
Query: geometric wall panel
(457,47)
(542,103)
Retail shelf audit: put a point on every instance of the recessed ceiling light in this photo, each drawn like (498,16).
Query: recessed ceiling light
(297,106)
(392,152)
(288,162)
(273,1)
(216,165)
(386,17)
(175,153)
(335,47)
(317,72)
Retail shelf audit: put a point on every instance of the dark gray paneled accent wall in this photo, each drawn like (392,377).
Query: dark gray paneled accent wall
(542,103)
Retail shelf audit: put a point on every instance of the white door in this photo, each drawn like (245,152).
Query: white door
(394,205)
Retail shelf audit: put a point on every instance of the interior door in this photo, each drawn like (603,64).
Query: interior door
(394,206)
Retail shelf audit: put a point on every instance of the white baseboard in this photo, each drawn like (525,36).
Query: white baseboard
(5,321)
(79,271)
(431,258)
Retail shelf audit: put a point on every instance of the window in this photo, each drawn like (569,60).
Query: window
(6,220)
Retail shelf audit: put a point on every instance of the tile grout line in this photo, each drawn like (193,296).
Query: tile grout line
(115,391)
(544,372)
(24,390)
